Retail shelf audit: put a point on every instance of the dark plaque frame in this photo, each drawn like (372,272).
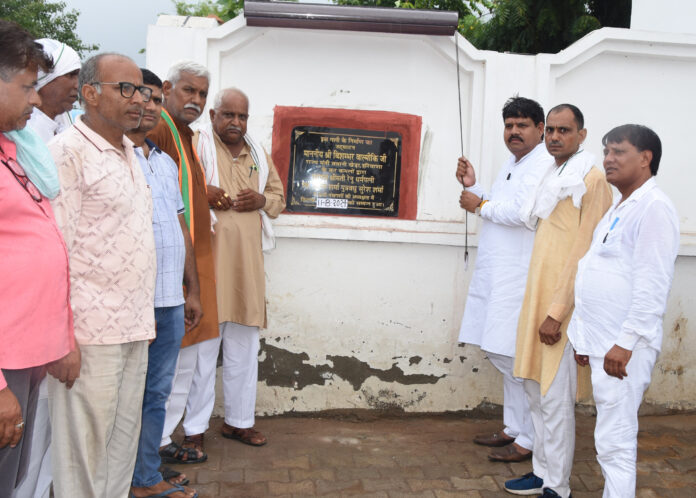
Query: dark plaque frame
(342,171)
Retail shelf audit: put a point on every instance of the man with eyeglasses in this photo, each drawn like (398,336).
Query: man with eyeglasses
(104,210)
(185,93)
(175,263)
(36,328)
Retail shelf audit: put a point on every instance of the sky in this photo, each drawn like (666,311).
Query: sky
(118,26)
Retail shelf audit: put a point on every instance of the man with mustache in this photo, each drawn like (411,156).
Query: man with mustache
(58,92)
(569,202)
(185,92)
(104,210)
(497,286)
(621,293)
(36,325)
(175,263)
(245,190)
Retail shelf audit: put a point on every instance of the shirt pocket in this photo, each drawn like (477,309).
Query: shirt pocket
(611,244)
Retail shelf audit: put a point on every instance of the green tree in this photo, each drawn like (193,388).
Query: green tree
(46,19)
(533,26)
(224,9)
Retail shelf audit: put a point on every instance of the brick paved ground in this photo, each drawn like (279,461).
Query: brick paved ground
(420,456)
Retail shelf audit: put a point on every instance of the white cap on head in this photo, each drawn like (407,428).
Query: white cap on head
(65,60)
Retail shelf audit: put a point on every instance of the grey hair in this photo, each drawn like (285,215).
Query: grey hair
(194,68)
(90,71)
(217,103)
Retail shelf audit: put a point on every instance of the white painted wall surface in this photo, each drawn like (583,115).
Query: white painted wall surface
(377,293)
(668,16)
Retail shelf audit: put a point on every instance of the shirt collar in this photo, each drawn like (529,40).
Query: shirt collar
(97,140)
(8,147)
(153,146)
(639,192)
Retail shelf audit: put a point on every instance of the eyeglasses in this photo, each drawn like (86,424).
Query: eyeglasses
(128,89)
(22,178)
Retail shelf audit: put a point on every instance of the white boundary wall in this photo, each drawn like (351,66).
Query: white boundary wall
(364,313)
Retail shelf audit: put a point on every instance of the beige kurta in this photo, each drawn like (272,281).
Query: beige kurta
(561,241)
(241,283)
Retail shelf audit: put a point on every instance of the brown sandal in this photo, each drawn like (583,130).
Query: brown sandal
(248,436)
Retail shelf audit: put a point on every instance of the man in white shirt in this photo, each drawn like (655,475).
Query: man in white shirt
(57,89)
(621,293)
(505,247)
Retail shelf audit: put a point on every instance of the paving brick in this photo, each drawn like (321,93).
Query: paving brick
(402,473)
(485,482)
(324,487)
(299,462)
(304,488)
(441,493)
(265,475)
(206,476)
(314,474)
(423,484)
(385,485)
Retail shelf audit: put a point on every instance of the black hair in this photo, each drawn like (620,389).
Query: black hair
(20,51)
(641,137)
(150,78)
(520,107)
(577,113)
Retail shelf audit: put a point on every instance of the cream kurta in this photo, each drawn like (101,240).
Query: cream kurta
(561,240)
(241,283)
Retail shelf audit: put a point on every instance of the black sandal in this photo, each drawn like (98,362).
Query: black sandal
(173,453)
(169,475)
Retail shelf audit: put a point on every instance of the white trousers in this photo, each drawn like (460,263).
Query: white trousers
(37,480)
(96,423)
(193,390)
(240,372)
(553,417)
(616,432)
(516,416)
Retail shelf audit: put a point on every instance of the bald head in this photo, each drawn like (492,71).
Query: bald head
(229,115)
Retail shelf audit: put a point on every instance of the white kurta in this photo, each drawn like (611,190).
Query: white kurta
(505,248)
(46,127)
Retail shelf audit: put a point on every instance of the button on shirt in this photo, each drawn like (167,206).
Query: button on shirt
(104,210)
(623,281)
(161,174)
(36,321)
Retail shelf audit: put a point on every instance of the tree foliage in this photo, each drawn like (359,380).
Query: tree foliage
(224,9)
(46,19)
(533,26)
(522,26)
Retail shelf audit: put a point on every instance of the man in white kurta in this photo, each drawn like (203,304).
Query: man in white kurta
(621,293)
(497,286)
(58,92)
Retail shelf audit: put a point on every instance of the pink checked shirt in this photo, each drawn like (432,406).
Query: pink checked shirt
(35,320)
(104,211)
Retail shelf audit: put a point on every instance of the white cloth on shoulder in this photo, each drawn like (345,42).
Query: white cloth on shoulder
(208,155)
(558,183)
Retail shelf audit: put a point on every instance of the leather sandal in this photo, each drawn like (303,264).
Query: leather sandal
(171,476)
(195,441)
(173,453)
(509,453)
(248,436)
(496,440)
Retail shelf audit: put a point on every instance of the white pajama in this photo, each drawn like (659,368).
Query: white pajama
(616,431)
(553,416)
(516,416)
(37,480)
(240,372)
(193,389)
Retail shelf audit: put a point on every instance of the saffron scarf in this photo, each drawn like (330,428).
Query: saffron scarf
(185,172)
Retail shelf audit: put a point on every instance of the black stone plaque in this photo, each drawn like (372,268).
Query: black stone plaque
(343,171)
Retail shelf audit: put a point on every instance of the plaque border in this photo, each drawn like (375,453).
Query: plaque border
(286,118)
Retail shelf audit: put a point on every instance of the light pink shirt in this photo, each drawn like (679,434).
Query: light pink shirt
(104,210)
(36,322)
